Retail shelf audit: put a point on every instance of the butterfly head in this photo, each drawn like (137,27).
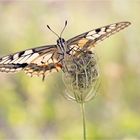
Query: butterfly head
(62,47)
(60,41)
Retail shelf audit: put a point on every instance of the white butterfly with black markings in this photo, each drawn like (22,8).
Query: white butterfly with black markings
(41,61)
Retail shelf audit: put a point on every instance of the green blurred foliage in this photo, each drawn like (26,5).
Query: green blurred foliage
(35,110)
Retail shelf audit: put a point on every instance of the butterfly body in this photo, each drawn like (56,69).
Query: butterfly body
(45,59)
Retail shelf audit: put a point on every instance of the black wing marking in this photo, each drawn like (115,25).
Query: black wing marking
(94,36)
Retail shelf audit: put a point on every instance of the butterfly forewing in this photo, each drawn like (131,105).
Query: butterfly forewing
(36,61)
(90,38)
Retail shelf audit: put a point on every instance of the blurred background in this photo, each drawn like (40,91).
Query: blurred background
(34,110)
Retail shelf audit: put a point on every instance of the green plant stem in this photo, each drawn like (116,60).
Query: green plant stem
(84,121)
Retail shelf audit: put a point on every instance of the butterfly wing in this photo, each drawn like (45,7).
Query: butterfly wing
(36,61)
(90,38)
(44,59)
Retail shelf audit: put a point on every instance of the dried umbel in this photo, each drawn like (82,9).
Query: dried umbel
(81,76)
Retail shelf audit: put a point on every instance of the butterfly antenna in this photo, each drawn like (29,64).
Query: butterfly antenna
(63,28)
(52,31)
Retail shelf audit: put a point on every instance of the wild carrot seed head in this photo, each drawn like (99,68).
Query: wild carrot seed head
(80,76)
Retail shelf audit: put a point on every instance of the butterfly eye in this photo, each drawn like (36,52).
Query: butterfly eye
(62,40)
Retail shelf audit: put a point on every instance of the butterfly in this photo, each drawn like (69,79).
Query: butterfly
(43,60)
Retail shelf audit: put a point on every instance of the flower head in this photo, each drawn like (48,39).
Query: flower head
(80,76)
